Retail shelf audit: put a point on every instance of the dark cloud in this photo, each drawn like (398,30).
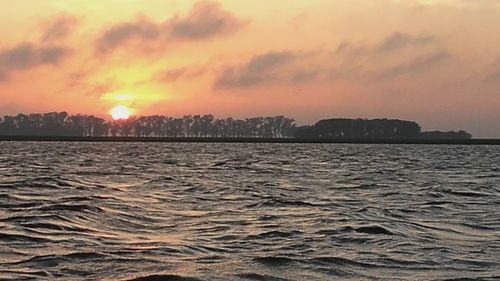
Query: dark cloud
(258,70)
(27,55)
(397,54)
(391,43)
(418,64)
(120,34)
(58,28)
(493,76)
(205,20)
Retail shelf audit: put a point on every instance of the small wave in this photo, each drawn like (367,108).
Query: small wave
(45,182)
(29,218)
(48,226)
(49,260)
(19,237)
(478,227)
(436,203)
(274,234)
(219,164)
(370,229)
(274,261)
(162,179)
(340,261)
(260,277)
(467,193)
(268,217)
(16,206)
(28,274)
(490,278)
(273,202)
(166,277)
(72,207)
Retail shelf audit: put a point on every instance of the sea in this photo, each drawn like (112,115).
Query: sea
(227,211)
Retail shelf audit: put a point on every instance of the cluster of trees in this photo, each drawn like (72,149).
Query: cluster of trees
(62,124)
(361,129)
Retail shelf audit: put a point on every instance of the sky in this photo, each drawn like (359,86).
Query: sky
(433,61)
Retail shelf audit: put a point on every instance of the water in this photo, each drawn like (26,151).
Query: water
(117,211)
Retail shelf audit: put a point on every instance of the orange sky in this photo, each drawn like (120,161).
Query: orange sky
(435,62)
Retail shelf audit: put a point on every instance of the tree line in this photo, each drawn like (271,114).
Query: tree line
(189,126)
(63,124)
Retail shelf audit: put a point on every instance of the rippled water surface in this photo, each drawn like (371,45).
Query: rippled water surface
(117,211)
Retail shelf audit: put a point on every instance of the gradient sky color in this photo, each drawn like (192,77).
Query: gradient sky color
(435,62)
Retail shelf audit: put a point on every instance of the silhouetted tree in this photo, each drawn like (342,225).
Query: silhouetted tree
(62,124)
(360,129)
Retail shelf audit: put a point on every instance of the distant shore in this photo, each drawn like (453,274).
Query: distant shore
(250,140)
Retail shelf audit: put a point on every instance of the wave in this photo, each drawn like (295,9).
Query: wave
(260,277)
(166,277)
(192,212)
(369,229)
(274,261)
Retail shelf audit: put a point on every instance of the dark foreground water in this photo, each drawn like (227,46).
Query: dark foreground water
(115,211)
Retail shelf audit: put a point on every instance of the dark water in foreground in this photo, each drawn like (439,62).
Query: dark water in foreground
(90,211)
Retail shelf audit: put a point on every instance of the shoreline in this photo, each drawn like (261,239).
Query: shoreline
(248,140)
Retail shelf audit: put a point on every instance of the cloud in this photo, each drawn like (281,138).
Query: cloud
(494,75)
(205,20)
(451,3)
(58,28)
(121,33)
(81,82)
(302,76)
(259,70)
(400,40)
(418,64)
(99,89)
(26,56)
(392,43)
(395,55)
(175,74)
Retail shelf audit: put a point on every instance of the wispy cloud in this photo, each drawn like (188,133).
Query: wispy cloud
(394,42)
(205,20)
(26,55)
(259,70)
(493,76)
(119,34)
(58,28)
(400,40)
(395,55)
(415,65)
(175,74)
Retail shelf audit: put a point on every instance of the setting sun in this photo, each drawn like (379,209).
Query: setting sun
(120,113)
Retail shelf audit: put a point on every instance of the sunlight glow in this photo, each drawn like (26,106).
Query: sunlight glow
(120,113)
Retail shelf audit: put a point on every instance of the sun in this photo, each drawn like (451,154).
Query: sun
(120,113)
